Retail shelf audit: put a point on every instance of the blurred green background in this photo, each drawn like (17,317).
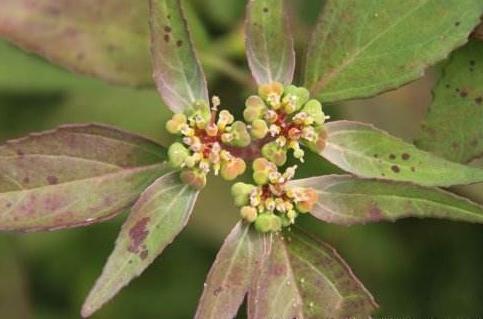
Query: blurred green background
(414,268)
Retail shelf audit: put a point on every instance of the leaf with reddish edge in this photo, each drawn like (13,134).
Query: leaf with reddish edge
(269,42)
(453,125)
(107,39)
(156,219)
(231,274)
(366,151)
(177,72)
(362,48)
(300,277)
(348,200)
(74,176)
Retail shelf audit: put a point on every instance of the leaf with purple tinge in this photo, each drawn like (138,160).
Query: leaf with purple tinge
(74,176)
(366,151)
(156,219)
(301,277)
(269,42)
(231,274)
(177,72)
(107,39)
(362,48)
(347,200)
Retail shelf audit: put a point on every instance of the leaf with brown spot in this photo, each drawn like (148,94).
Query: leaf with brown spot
(231,274)
(348,200)
(269,42)
(74,176)
(453,127)
(300,277)
(177,71)
(352,145)
(156,219)
(362,48)
(108,39)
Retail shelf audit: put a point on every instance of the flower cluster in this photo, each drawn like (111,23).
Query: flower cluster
(279,119)
(206,138)
(272,203)
(285,116)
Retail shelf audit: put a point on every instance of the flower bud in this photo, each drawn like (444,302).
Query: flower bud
(241,193)
(294,98)
(241,137)
(232,169)
(259,129)
(177,154)
(313,108)
(194,178)
(249,213)
(268,223)
(274,153)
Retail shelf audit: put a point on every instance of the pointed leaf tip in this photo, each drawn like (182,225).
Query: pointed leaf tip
(366,151)
(161,212)
(349,200)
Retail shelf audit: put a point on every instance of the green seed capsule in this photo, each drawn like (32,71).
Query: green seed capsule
(268,223)
(296,97)
(249,213)
(259,129)
(254,108)
(177,154)
(241,193)
(200,112)
(261,177)
(313,108)
(274,153)
(241,137)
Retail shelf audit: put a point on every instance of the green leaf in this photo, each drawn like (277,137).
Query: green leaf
(269,42)
(300,277)
(453,127)
(73,176)
(156,219)
(177,72)
(366,151)
(348,200)
(231,274)
(362,48)
(108,39)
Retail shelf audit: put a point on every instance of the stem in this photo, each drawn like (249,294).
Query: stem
(218,63)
